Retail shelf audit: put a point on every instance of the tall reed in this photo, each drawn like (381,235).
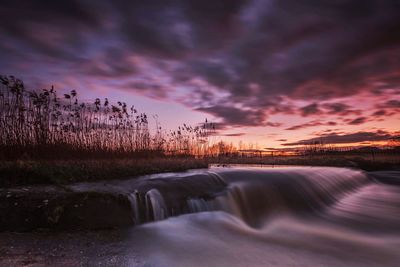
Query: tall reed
(43,124)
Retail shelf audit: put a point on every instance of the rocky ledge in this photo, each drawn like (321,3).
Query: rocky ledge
(104,204)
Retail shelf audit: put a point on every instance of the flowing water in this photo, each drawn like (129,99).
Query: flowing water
(286,216)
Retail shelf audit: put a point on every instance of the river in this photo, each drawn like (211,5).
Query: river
(266,216)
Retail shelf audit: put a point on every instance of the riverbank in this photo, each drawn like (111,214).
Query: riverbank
(104,204)
(62,172)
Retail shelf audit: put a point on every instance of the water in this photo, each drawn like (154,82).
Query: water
(245,216)
(250,193)
(281,217)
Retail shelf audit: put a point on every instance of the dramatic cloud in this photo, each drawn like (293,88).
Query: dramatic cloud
(358,120)
(310,124)
(339,109)
(379,113)
(235,116)
(392,104)
(334,138)
(311,109)
(241,61)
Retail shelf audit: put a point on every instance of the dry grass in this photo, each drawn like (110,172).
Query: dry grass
(23,172)
(40,124)
(16,173)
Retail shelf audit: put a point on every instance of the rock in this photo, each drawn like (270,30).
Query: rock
(100,205)
(62,210)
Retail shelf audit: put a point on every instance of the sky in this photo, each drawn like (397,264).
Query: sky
(276,73)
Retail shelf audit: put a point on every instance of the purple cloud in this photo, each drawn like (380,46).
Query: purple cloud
(335,138)
(310,124)
(218,56)
(311,109)
(235,116)
(357,121)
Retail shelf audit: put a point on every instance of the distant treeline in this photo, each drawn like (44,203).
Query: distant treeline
(392,147)
(43,124)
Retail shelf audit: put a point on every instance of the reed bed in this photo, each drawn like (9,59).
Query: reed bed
(43,124)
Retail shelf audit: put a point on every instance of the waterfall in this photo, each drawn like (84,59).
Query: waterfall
(133,198)
(155,205)
(251,194)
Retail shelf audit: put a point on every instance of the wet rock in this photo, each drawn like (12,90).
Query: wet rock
(101,205)
(59,209)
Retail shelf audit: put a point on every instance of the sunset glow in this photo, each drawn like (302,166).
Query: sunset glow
(200,133)
(273,73)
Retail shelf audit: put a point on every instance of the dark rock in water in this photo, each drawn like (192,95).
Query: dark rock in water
(51,207)
(94,210)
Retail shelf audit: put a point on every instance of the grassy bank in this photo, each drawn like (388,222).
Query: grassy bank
(25,172)
(15,173)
